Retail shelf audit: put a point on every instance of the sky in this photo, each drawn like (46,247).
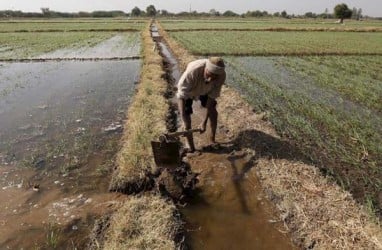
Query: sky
(369,7)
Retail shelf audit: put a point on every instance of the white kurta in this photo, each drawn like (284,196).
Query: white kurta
(192,83)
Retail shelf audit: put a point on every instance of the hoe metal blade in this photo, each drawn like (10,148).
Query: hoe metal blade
(166,154)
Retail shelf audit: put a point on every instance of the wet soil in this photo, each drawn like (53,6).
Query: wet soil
(60,126)
(229,210)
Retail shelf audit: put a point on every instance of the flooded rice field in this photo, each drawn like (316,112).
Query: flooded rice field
(119,46)
(60,125)
(274,82)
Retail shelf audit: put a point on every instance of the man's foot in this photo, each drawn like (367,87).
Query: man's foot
(186,152)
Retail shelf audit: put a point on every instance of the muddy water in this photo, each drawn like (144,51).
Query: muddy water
(60,125)
(229,211)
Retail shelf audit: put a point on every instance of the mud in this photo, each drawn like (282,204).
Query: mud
(60,125)
(229,210)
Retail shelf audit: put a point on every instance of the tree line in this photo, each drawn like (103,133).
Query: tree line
(341,11)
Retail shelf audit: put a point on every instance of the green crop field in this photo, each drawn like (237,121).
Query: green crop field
(99,25)
(330,107)
(322,90)
(24,45)
(279,43)
(259,24)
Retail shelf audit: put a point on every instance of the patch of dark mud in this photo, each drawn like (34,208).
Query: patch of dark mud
(179,184)
(172,75)
(147,183)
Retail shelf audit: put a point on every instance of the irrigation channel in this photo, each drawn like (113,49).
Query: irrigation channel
(229,210)
(60,127)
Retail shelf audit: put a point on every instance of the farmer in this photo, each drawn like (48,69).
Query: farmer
(202,80)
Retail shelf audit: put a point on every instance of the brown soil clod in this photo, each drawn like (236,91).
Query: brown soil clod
(178,183)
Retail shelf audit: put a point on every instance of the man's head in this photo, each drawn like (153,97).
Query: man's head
(214,67)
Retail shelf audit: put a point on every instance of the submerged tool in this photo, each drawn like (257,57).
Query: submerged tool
(166,150)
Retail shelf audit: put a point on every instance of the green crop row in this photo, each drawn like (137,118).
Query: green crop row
(344,138)
(355,78)
(279,43)
(69,26)
(233,24)
(26,45)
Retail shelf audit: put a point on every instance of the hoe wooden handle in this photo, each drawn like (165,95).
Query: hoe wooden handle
(183,133)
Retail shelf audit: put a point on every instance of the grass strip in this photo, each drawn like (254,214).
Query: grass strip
(146,120)
(147,221)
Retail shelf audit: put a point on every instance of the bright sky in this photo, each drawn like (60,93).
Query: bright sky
(369,7)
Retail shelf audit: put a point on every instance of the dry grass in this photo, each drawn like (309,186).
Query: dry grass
(147,222)
(315,211)
(146,119)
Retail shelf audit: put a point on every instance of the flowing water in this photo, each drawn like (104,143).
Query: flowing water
(60,126)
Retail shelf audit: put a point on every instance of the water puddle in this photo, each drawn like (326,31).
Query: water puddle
(60,126)
(229,212)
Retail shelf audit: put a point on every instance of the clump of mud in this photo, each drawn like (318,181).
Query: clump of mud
(178,184)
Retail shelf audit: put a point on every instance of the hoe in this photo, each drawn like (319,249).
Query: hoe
(166,150)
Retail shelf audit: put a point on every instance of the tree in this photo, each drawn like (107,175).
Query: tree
(342,11)
(136,11)
(359,14)
(310,15)
(45,12)
(151,11)
(164,13)
(284,14)
(229,13)
(214,12)
(354,13)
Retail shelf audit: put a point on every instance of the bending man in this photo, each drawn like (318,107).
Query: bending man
(202,80)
